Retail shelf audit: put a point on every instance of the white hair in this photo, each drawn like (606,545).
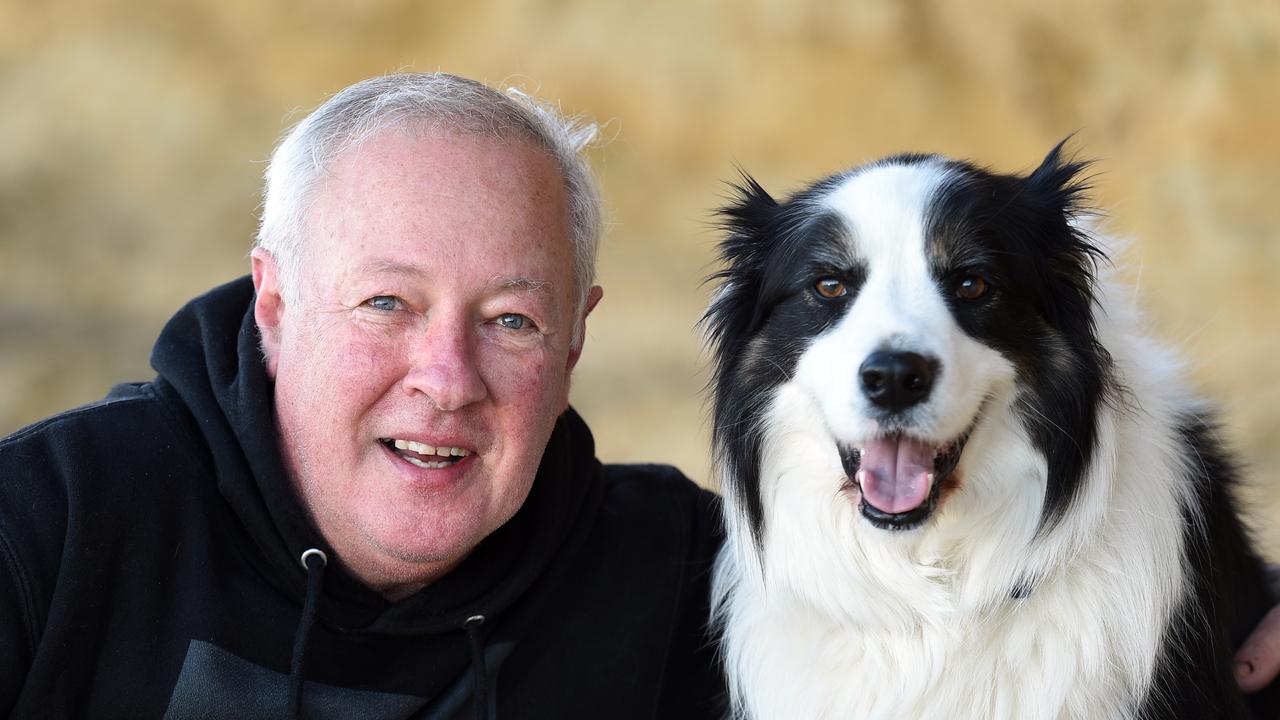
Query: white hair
(431,100)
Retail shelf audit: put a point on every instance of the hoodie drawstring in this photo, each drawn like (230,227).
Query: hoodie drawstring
(479,690)
(314,562)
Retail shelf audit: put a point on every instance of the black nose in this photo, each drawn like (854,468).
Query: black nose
(896,380)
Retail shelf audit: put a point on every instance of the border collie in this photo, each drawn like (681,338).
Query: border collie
(961,481)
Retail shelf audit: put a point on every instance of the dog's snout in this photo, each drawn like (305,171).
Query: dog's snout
(897,380)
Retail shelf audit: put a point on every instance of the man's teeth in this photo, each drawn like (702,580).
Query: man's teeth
(426,456)
(425,464)
(423,449)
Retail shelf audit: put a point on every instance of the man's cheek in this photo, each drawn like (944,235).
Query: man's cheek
(533,374)
(356,359)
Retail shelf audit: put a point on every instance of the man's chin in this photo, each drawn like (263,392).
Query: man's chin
(393,564)
(418,546)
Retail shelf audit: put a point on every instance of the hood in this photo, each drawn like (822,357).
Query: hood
(209,354)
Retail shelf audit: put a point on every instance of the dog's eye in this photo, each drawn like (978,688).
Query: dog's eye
(829,287)
(972,287)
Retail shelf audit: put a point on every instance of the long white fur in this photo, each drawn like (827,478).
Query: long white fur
(839,619)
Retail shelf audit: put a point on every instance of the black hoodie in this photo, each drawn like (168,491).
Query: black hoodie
(150,566)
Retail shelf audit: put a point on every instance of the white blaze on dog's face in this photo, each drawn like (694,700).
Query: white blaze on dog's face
(899,384)
(882,335)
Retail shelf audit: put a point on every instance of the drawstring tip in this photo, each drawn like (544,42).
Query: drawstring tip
(479,679)
(313,562)
(310,553)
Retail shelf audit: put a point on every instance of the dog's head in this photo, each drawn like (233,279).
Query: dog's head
(870,328)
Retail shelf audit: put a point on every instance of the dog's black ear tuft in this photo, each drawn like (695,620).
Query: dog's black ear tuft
(745,194)
(1055,197)
(745,221)
(1059,183)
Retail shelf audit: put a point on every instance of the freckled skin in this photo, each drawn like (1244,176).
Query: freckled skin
(422,252)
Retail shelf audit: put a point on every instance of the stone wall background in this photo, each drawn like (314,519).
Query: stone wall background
(133,135)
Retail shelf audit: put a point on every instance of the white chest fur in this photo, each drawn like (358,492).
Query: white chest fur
(1047,656)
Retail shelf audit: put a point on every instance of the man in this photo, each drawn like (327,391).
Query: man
(355,488)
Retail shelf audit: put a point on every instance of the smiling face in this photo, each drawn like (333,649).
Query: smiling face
(421,369)
(892,338)
(896,301)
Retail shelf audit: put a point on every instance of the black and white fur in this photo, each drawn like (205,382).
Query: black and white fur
(1081,557)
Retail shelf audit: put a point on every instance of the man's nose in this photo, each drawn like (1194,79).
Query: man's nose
(443,367)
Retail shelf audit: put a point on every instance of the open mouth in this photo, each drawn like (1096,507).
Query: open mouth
(425,456)
(899,477)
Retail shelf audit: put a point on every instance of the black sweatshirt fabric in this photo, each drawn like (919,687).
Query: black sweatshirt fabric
(150,567)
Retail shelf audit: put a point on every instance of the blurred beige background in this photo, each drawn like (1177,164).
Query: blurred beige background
(132,137)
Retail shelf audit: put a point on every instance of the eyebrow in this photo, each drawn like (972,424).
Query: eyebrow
(523,284)
(394,267)
(502,282)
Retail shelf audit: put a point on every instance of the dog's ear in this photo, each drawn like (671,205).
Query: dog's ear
(750,209)
(746,222)
(1059,183)
(1051,205)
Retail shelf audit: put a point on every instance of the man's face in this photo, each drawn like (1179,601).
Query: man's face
(420,372)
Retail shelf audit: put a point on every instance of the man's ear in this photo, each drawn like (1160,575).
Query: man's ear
(268,305)
(593,298)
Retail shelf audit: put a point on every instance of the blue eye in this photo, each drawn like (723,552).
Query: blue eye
(384,303)
(512,321)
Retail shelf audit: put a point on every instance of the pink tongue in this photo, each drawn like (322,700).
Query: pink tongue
(896,473)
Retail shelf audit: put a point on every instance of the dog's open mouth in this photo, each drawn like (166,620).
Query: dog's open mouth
(898,477)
